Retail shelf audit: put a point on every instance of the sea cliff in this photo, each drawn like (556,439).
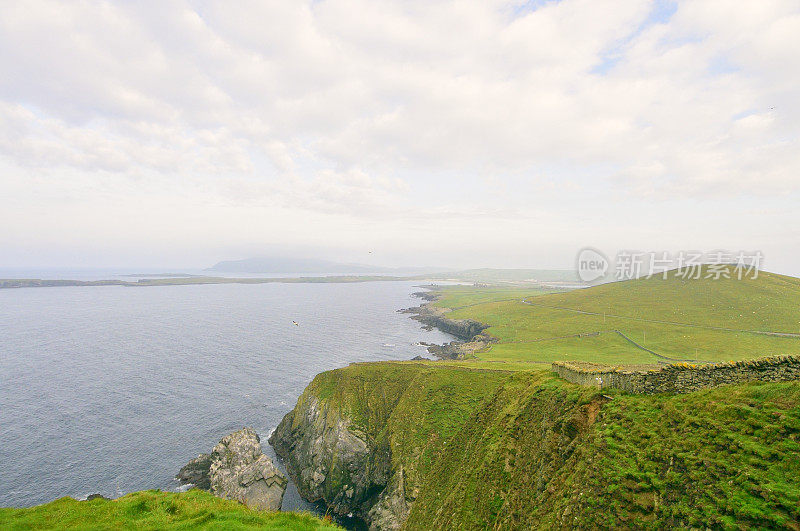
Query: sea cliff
(433,446)
(362,439)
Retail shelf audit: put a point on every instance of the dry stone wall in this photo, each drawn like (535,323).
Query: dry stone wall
(680,377)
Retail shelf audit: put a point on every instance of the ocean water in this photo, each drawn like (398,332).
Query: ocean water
(112,389)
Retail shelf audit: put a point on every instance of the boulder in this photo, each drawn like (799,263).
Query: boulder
(237,470)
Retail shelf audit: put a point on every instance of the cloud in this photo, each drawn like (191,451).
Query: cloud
(371,109)
(422,86)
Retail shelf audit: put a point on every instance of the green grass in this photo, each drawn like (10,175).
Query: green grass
(153,509)
(460,297)
(701,320)
(543,453)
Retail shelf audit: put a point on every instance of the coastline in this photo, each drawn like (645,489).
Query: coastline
(384,336)
(470,334)
(427,445)
(14,283)
(368,462)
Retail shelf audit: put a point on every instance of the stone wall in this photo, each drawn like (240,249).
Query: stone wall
(680,377)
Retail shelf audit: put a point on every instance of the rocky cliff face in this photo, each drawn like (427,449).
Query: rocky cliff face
(433,317)
(195,472)
(469,333)
(361,439)
(237,470)
(332,460)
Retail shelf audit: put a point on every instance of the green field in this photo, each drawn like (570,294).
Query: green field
(153,509)
(672,319)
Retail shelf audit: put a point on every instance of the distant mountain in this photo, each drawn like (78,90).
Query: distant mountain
(274,265)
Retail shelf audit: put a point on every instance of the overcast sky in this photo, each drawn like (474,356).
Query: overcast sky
(469,133)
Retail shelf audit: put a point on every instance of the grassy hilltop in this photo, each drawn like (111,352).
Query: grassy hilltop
(544,453)
(641,321)
(144,510)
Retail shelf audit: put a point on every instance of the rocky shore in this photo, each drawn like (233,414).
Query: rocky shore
(469,332)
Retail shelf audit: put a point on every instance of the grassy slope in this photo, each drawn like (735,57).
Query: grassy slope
(543,452)
(707,320)
(154,510)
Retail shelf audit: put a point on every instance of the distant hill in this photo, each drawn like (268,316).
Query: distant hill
(277,265)
(643,321)
(510,275)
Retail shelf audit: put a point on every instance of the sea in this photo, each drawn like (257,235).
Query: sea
(112,389)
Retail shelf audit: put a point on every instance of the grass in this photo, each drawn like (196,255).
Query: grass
(543,453)
(155,510)
(702,320)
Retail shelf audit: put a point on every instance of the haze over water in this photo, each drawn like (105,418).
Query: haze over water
(112,390)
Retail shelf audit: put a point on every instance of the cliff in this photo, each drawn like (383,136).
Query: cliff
(434,317)
(433,446)
(362,438)
(470,333)
(236,469)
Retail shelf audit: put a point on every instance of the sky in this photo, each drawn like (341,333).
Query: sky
(466,134)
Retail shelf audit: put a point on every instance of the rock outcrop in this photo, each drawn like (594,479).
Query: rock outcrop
(433,317)
(330,459)
(237,470)
(195,472)
(429,296)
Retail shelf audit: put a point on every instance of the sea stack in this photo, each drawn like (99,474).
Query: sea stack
(236,469)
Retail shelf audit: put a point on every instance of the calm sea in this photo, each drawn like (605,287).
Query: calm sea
(113,389)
